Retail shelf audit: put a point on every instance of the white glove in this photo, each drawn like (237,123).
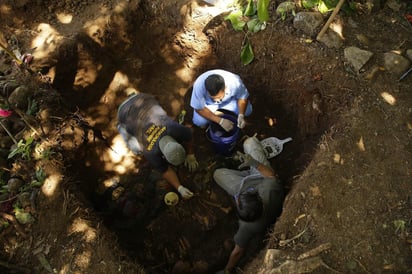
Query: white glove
(241,121)
(226,124)
(191,162)
(186,193)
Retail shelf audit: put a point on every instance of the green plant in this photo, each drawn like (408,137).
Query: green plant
(42,153)
(40,176)
(250,19)
(400,226)
(23,148)
(32,107)
(324,6)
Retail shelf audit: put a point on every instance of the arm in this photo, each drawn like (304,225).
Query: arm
(242,104)
(171,177)
(249,161)
(266,171)
(234,258)
(207,114)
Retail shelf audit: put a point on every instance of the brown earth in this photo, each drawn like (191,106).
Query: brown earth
(347,170)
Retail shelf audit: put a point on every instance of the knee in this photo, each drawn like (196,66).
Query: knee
(219,174)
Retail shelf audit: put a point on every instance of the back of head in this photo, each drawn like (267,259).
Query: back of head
(249,205)
(174,152)
(214,83)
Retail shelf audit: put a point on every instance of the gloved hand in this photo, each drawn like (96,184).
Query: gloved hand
(241,121)
(247,161)
(186,193)
(191,162)
(226,124)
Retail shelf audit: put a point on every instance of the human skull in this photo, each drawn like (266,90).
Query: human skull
(171,199)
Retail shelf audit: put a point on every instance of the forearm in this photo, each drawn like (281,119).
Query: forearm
(207,114)
(171,177)
(234,258)
(242,104)
(266,171)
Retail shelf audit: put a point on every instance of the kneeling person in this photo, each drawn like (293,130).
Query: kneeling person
(258,195)
(148,131)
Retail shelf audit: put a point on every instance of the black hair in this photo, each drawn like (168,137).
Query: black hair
(214,83)
(249,206)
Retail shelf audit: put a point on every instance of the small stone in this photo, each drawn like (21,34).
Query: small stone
(14,185)
(357,57)
(395,63)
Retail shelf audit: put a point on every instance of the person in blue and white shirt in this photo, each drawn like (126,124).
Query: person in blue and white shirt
(219,89)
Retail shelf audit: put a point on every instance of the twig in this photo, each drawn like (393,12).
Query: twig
(315,251)
(8,132)
(9,199)
(11,54)
(285,242)
(326,26)
(363,267)
(330,268)
(26,122)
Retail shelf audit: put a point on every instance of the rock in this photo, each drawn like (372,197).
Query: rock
(374,5)
(308,22)
(395,63)
(24,199)
(331,39)
(19,97)
(394,5)
(6,142)
(357,57)
(409,54)
(14,185)
(7,87)
(284,8)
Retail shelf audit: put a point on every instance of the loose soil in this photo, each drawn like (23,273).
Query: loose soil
(347,171)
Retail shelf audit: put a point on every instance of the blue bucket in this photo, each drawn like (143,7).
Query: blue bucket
(224,142)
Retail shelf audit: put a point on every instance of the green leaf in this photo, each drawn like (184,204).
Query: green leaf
(254,25)
(250,9)
(23,217)
(235,18)
(323,8)
(246,55)
(309,4)
(262,10)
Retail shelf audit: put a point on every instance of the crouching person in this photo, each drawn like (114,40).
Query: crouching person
(258,195)
(149,131)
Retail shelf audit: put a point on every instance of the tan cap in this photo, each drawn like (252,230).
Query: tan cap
(172,150)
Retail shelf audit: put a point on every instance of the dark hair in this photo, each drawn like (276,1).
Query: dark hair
(214,83)
(249,205)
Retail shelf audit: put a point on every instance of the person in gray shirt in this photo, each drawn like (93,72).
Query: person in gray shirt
(258,195)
